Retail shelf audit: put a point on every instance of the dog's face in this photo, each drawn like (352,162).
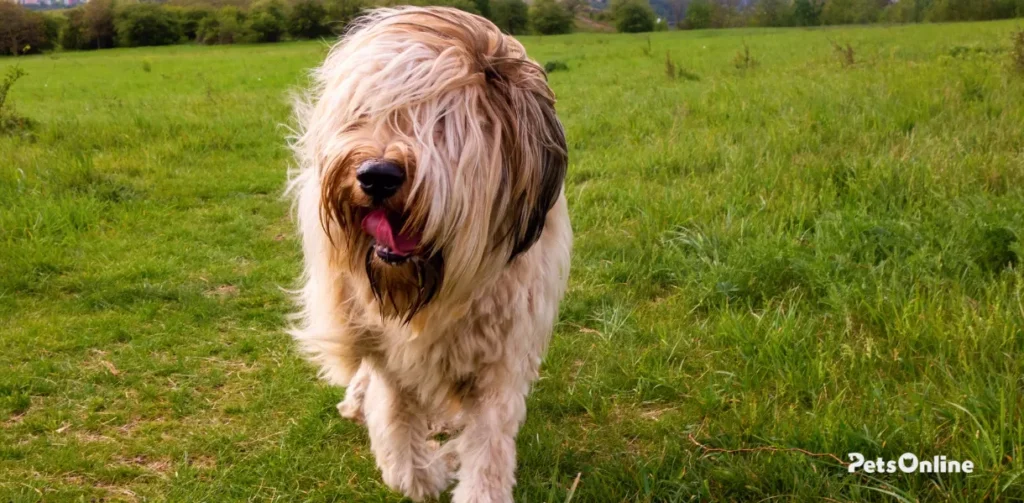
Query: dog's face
(439,153)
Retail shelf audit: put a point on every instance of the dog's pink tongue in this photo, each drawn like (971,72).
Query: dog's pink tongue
(377,225)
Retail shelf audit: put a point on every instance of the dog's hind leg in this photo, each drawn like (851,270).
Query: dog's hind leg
(352,406)
(398,437)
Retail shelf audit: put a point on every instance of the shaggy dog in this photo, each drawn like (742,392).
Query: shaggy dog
(436,238)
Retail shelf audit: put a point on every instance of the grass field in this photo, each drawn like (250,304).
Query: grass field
(796,254)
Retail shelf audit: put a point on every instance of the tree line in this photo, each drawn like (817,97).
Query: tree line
(701,14)
(641,16)
(102,24)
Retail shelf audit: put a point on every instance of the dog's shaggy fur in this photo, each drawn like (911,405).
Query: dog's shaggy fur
(451,331)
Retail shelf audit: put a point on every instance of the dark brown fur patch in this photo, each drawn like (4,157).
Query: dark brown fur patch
(390,284)
(533,147)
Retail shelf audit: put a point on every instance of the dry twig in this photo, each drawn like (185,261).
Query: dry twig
(766,448)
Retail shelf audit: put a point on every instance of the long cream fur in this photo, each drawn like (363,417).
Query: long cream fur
(456,103)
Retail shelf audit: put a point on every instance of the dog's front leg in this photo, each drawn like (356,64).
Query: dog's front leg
(352,406)
(398,437)
(487,447)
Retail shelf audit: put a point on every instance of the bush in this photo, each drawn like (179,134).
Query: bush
(633,16)
(698,16)
(98,27)
(189,18)
(548,17)
(808,12)
(483,7)
(21,30)
(53,24)
(267,20)
(512,16)
(72,35)
(850,12)
(774,13)
(144,24)
(226,27)
(342,12)
(77,34)
(957,10)
(308,19)
(208,31)
(469,6)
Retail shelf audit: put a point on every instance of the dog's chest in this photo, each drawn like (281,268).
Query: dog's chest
(445,360)
(445,364)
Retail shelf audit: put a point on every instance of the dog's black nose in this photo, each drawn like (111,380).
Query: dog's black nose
(380,179)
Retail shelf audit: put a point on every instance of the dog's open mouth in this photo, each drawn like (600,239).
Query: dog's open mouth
(390,243)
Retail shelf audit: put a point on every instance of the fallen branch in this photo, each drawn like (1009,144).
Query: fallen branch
(768,448)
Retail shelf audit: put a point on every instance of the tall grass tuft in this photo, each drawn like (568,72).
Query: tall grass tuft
(674,71)
(10,121)
(1017,50)
(743,59)
(555,66)
(845,53)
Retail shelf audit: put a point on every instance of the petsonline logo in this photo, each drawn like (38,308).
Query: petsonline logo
(908,463)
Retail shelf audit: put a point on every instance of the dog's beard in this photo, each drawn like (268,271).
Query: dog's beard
(402,290)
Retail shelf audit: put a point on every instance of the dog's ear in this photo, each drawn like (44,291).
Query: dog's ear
(547,183)
(533,149)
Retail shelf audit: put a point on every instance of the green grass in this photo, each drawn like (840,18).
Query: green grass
(798,253)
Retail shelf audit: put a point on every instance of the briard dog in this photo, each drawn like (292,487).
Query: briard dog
(436,236)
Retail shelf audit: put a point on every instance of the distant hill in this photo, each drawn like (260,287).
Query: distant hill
(588,25)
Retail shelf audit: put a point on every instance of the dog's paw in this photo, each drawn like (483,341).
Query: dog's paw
(470,493)
(419,484)
(351,410)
